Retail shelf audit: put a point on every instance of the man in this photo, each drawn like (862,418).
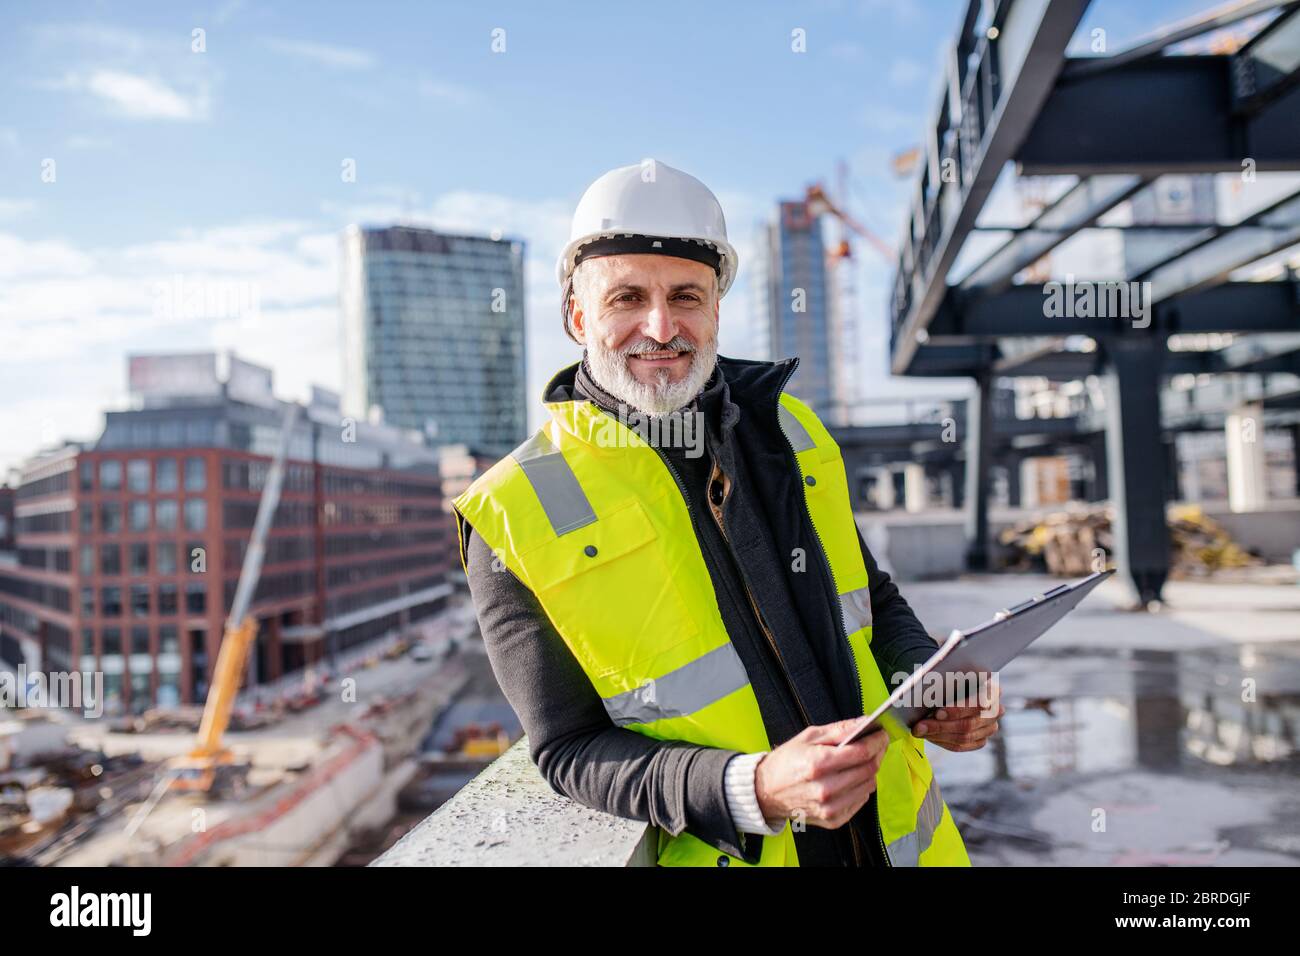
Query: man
(686,628)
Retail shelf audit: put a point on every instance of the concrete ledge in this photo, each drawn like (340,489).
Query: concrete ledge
(509,816)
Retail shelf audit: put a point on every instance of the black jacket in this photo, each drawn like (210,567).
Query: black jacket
(808,677)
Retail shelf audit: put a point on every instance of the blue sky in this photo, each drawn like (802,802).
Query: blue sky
(223,166)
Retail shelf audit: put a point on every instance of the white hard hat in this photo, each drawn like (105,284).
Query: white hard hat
(654,200)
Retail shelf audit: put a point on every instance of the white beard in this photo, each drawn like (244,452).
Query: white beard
(662,397)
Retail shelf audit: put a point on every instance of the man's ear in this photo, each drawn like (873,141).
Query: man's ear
(577,319)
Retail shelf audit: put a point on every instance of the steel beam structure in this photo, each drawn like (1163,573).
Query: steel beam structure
(998,81)
(1137,464)
(1173,114)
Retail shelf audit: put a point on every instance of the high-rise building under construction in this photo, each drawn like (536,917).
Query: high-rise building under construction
(794,303)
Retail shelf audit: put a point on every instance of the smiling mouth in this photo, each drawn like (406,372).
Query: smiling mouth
(659,356)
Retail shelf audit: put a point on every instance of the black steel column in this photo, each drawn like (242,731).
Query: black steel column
(1100,487)
(1173,484)
(1295,456)
(1137,463)
(979,459)
(1012,461)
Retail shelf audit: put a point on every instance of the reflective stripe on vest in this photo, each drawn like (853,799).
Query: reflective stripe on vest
(907,849)
(798,436)
(689,688)
(561,497)
(856,605)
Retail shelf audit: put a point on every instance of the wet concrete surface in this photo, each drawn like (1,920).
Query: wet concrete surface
(1134,739)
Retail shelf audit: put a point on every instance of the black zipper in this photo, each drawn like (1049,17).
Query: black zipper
(838,611)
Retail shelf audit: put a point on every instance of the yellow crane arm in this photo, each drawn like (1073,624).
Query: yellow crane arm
(226,678)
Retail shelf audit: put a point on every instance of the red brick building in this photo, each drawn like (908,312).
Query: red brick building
(128,551)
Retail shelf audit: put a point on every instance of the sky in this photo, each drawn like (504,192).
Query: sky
(149,150)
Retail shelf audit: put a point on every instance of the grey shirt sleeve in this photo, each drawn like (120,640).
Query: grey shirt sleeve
(580,752)
(898,639)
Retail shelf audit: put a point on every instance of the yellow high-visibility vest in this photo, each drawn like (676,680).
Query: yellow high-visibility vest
(589,517)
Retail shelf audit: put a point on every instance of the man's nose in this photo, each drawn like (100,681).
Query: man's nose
(659,322)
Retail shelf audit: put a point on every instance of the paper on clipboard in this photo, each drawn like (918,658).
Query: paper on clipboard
(986,648)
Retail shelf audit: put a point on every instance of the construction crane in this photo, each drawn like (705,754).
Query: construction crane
(820,203)
(840,271)
(211,767)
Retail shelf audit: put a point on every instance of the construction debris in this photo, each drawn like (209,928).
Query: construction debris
(1079,541)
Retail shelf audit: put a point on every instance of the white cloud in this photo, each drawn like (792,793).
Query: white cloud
(19,258)
(333,57)
(69,316)
(131,95)
(142,97)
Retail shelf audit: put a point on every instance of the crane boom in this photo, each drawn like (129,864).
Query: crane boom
(197,770)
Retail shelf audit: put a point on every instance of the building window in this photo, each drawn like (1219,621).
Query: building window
(87,476)
(139,558)
(139,600)
(139,640)
(164,478)
(164,515)
(87,602)
(167,599)
(198,641)
(87,559)
(139,516)
(168,643)
(110,517)
(110,559)
(193,551)
(196,477)
(196,514)
(141,695)
(87,642)
(112,640)
(137,475)
(165,557)
(110,601)
(87,519)
(196,599)
(110,475)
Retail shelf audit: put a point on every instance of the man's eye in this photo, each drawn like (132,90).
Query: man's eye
(689,297)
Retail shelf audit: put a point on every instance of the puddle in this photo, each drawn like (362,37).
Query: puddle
(1083,711)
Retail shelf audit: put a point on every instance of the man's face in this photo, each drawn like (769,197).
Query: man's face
(650,326)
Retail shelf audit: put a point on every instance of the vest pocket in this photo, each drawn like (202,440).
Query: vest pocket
(608,589)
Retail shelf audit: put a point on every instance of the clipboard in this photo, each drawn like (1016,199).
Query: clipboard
(990,646)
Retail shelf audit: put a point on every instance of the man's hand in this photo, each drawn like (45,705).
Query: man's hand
(962,728)
(807,775)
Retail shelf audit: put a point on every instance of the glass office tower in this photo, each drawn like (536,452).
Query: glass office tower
(433,334)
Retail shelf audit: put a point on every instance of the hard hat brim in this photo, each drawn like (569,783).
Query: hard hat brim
(727,267)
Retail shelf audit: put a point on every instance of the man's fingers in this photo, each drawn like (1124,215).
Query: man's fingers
(870,747)
(959,726)
(832,733)
(844,786)
(975,736)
